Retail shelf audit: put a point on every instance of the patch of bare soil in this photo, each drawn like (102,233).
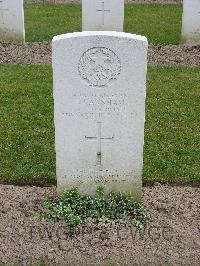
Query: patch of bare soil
(40,53)
(28,53)
(174,55)
(171,234)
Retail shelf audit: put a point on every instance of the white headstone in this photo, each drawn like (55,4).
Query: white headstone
(99,101)
(102,15)
(12,20)
(191,22)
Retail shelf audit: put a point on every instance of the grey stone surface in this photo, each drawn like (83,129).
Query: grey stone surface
(191,22)
(12,20)
(99,101)
(107,15)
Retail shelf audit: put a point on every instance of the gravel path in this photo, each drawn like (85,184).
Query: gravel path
(28,53)
(126,1)
(174,55)
(171,235)
(40,53)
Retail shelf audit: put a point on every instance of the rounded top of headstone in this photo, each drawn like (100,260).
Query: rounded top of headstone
(101,33)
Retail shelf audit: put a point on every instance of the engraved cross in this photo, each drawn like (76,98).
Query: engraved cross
(99,139)
(103,10)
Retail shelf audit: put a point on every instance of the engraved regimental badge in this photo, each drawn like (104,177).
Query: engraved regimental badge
(99,66)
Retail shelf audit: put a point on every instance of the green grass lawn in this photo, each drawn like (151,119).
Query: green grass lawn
(27,134)
(160,23)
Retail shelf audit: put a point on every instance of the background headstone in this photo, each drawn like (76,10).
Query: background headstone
(12,20)
(99,101)
(107,15)
(191,22)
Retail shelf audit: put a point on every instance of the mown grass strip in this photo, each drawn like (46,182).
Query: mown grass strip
(161,24)
(27,132)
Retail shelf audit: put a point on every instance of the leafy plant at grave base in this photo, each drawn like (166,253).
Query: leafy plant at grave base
(102,208)
(5,43)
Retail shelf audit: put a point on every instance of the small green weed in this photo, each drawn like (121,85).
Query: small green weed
(102,208)
(5,43)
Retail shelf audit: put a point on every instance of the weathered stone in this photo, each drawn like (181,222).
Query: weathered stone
(99,100)
(191,22)
(107,15)
(12,20)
